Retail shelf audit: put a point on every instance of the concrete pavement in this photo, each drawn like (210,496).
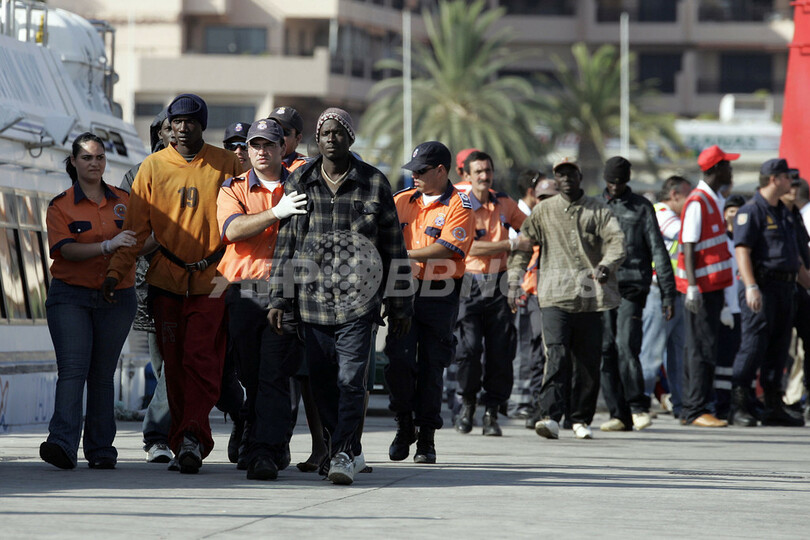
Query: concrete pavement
(668,481)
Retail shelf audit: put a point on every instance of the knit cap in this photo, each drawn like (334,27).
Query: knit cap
(341,116)
(189,105)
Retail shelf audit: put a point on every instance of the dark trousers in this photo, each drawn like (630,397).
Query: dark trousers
(485,330)
(417,360)
(247,328)
(337,358)
(801,321)
(530,356)
(191,337)
(700,355)
(279,356)
(573,346)
(622,377)
(728,343)
(231,395)
(765,336)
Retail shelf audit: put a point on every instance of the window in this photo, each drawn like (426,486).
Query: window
(24,276)
(221,116)
(148,109)
(638,10)
(532,7)
(660,67)
(235,40)
(745,72)
(735,10)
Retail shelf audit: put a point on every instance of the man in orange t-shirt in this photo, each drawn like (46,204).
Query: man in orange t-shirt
(485,329)
(174,199)
(437,225)
(249,208)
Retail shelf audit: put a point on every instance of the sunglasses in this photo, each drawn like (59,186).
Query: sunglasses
(234,145)
(420,172)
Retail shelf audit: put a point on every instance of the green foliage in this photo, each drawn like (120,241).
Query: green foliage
(458,97)
(585,101)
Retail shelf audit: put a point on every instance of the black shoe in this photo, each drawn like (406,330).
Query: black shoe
(405,437)
(464,420)
(236,439)
(491,427)
(102,463)
(532,419)
(425,446)
(777,414)
(55,455)
(567,423)
(740,413)
(190,456)
(284,460)
(262,468)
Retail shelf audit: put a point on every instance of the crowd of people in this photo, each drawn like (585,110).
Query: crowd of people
(262,277)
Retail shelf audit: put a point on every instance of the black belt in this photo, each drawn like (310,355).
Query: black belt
(198,266)
(775,275)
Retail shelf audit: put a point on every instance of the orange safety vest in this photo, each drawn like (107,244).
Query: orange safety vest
(712,258)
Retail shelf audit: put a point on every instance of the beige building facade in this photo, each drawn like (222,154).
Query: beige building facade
(247,56)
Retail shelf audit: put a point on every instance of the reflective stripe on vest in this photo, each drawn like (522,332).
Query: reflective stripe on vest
(712,257)
(673,248)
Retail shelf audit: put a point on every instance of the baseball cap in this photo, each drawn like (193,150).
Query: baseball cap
(713,155)
(288,118)
(734,201)
(617,170)
(265,129)
(462,156)
(429,154)
(778,166)
(566,161)
(237,130)
(546,187)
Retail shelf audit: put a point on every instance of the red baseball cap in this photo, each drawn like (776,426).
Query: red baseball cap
(712,155)
(463,155)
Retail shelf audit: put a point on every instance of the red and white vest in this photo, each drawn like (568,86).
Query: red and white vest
(712,258)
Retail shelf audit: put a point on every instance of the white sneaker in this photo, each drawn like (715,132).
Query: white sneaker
(341,469)
(614,424)
(547,428)
(159,453)
(583,431)
(642,420)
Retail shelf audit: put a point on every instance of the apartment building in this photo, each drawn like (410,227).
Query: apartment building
(247,56)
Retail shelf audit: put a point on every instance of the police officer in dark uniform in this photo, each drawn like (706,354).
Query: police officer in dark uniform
(770,260)
(438,228)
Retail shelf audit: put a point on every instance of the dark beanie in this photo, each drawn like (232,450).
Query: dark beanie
(617,170)
(189,105)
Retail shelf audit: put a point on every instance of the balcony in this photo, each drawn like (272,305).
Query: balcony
(226,74)
(205,7)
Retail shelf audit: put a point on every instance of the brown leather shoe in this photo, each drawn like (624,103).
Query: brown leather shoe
(708,420)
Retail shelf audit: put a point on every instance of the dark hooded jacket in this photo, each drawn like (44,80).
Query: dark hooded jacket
(643,244)
(143,319)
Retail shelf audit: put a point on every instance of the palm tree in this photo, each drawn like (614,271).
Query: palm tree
(584,101)
(458,97)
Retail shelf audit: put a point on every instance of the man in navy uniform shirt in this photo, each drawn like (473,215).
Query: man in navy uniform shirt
(770,259)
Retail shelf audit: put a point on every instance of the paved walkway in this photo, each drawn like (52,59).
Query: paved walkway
(668,481)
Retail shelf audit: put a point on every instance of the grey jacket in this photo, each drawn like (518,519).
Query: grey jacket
(643,244)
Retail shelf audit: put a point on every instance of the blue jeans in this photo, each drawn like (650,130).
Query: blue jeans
(87,334)
(662,343)
(157,421)
(338,358)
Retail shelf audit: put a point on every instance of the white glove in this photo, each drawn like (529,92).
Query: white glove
(726,317)
(753,298)
(122,239)
(290,204)
(694,300)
